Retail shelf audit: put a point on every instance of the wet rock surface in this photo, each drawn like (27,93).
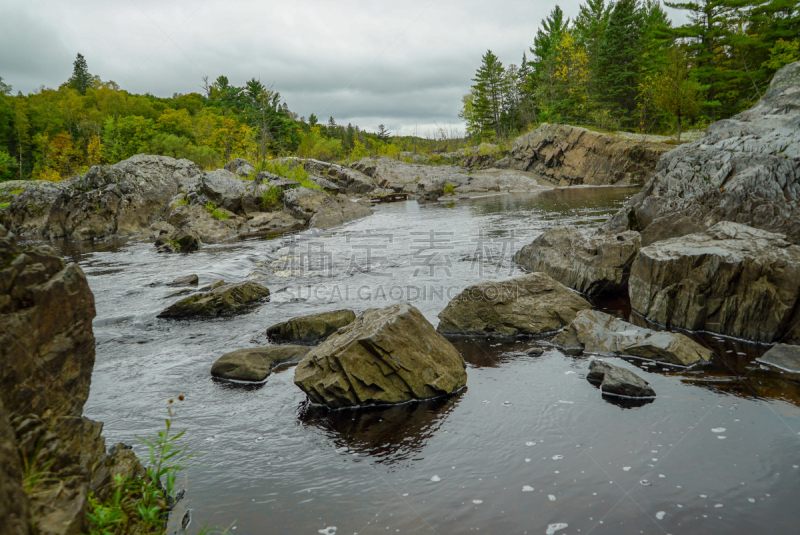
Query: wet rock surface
(616,381)
(732,279)
(224,299)
(529,305)
(590,262)
(745,169)
(322,210)
(593,330)
(255,364)
(310,329)
(388,355)
(784,357)
(569,155)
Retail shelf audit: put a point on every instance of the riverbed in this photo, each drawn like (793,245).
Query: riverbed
(528,447)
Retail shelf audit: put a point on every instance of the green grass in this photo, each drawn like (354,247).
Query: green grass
(5,204)
(272,200)
(297,172)
(449,189)
(217,213)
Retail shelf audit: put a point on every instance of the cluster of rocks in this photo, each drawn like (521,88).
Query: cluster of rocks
(47,349)
(712,242)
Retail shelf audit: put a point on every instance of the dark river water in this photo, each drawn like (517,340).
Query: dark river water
(529,447)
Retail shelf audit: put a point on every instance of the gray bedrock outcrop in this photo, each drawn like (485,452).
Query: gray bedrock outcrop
(745,169)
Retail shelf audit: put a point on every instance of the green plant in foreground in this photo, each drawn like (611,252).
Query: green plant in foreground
(143,506)
(449,189)
(5,204)
(215,212)
(272,199)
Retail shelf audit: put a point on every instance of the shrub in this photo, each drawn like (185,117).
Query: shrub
(449,189)
(272,200)
(282,169)
(217,213)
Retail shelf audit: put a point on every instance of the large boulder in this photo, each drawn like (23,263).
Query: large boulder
(593,330)
(388,355)
(585,260)
(532,304)
(226,299)
(255,364)
(196,219)
(784,357)
(322,210)
(731,279)
(570,155)
(616,381)
(348,180)
(30,209)
(240,167)
(745,169)
(310,329)
(122,199)
(220,188)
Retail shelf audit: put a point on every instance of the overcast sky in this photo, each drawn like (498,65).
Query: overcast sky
(405,64)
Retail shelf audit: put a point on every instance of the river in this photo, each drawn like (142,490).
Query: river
(529,447)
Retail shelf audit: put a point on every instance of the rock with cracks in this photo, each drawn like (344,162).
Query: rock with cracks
(784,357)
(616,381)
(532,304)
(310,329)
(587,261)
(593,330)
(388,355)
(732,279)
(227,299)
(255,364)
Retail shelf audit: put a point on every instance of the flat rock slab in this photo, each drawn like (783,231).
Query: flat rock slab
(529,305)
(590,262)
(310,329)
(593,330)
(386,356)
(616,381)
(784,357)
(731,279)
(226,299)
(188,280)
(255,364)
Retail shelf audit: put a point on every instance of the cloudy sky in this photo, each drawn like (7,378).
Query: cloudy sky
(405,64)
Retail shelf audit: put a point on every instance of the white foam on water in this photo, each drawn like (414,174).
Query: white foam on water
(661,476)
(569,372)
(704,496)
(645,483)
(751,500)
(565,401)
(721,437)
(527,460)
(552,528)
(680,506)
(530,443)
(485,401)
(626,468)
(506,404)
(718,430)
(654,460)
(661,514)
(795,466)
(260,439)
(405,494)
(436,479)
(551,497)
(330,530)
(557,457)
(527,488)
(718,505)
(477,502)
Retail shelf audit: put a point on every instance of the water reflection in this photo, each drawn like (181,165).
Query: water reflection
(388,435)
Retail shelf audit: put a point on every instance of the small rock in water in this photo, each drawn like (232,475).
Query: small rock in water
(534,351)
(189,280)
(557,457)
(506,403)
(527,488)
(436,479)
(645,483)
(718,430)
(551,497)
(553,528)
(477,502)
(626,468)
(660,515)
(330,530)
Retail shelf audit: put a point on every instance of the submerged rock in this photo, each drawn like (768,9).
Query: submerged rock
(731,279)
(388,355)
(532,304)
(585,260)
(255,364)
(593,330)
(744,170)
(188,280)
(226,299)
(570,155)
(616,381)
(311,329)
(785,357)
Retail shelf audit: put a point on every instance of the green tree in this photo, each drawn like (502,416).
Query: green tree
(81,79)
(673,89)
(490,89)
(620,58)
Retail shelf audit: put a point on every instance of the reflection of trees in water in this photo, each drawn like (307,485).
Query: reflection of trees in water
(388,435)
(489,352)
(558,201)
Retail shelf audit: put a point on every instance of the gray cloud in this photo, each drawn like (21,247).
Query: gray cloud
(404,64)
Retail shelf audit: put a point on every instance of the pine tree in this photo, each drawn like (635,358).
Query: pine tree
(382,133)
(490,88)
(619,60)
(80,80)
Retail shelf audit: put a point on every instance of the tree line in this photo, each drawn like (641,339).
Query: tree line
(624,65)
(53,134)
